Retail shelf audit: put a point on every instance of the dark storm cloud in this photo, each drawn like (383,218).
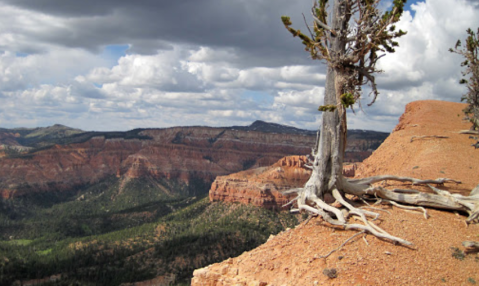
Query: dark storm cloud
(254,28)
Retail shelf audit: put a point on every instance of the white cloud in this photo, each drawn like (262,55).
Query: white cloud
(50,71)
(58,65)
(422,67)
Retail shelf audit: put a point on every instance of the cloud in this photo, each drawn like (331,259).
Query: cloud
(423,54)
(162,71)
(422,67)
(118,64)
(252,27)
(58,65)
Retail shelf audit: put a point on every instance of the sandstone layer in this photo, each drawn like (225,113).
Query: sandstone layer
(178,155)
(294,257)
(263,186)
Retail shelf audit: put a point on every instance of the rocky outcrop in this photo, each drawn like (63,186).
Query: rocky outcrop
(262,186)
(427,144)
(294,257)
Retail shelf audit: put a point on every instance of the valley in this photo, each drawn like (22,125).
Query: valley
(111,208)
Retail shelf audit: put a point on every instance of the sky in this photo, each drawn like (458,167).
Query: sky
(109,65)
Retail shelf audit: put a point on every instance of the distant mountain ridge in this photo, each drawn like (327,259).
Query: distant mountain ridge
(268,127)
(27,136)
(60,134)
(57,133)
(181,160)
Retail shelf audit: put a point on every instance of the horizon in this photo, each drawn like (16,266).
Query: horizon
(179,126)
(118,65)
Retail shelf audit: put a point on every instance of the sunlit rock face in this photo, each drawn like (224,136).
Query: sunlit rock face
(172,154)
(263,186)
(183,155)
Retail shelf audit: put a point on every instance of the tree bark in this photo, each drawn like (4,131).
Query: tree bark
(329,156)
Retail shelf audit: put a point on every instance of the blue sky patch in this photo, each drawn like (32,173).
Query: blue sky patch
(113,52)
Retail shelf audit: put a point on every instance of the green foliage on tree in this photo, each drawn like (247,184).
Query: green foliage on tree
(470,52)
(353,46)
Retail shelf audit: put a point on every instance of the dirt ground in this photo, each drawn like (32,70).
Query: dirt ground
(293,257)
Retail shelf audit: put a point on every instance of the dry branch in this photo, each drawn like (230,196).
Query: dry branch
(473,132)
(424,211)
(343,244)
(428,137)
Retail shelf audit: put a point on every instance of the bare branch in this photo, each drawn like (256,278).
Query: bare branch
(324,26)
(428,137)
(426,216)
(306,23)
(473,132)
(341,246)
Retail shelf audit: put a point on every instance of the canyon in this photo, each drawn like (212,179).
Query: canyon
(136,201)
(59,159)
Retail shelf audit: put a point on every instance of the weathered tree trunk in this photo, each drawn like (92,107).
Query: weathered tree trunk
(329,156)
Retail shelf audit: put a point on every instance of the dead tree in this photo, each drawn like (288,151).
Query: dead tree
(351,42)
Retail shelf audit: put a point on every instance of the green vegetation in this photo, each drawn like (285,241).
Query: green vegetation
(44,138)
(113,232)
(91,210)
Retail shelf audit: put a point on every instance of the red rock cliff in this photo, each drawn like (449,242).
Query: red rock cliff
(262,186)
(173,153)
(179,153)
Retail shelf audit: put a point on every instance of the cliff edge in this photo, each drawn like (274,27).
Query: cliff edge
(425,144)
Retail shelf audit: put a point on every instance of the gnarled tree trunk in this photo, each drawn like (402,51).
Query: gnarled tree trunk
(329,154)
(327,180)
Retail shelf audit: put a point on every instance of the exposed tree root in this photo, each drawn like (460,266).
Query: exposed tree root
(424,211)
(362,188)
(441,199)
(365,240)
(414,181)
(324,210)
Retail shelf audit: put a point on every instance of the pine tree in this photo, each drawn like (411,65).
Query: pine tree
(471,75)
(470,78)
(351,42)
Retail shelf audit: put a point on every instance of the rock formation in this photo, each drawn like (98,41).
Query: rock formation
(262,186)
(178,154)
(427,144)
(172,154)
